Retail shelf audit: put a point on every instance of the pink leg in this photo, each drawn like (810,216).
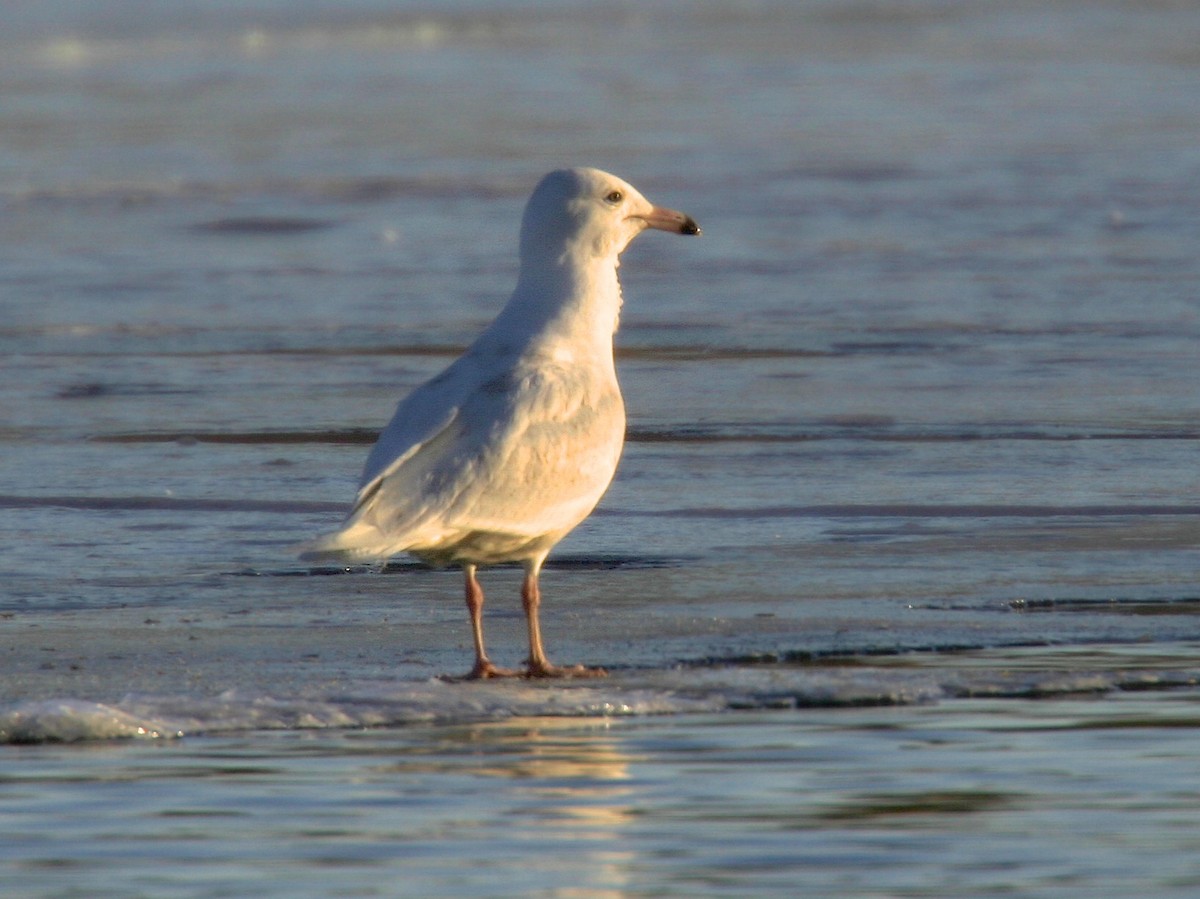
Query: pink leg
(538,665)
(483,665)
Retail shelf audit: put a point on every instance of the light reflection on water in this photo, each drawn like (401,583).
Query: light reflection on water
(912,456)
(949,800)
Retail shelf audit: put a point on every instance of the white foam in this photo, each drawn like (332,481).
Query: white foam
(675,691)
(74,720)
(396,704)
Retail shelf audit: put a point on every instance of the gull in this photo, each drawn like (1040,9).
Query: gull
(498,457)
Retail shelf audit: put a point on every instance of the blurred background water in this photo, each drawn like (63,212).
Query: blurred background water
(899,582)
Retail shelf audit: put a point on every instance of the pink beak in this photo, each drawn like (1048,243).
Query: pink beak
(669,220)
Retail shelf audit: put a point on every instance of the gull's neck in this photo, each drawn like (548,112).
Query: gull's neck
(568,307)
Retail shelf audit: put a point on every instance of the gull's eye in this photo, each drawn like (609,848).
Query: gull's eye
(615,197)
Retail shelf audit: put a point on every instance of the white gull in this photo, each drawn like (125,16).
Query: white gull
(497,458)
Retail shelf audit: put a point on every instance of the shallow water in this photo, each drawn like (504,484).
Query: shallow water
(898,583)
(910,801)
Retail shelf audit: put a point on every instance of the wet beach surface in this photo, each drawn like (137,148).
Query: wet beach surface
(898,584)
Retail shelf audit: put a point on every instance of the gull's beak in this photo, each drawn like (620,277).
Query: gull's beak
(669,220)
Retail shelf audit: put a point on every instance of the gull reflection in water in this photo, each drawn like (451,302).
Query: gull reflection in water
(569,783)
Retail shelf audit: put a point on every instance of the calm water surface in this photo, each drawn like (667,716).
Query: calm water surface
(899,582)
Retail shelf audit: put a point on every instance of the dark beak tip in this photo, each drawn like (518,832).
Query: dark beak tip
(689,226)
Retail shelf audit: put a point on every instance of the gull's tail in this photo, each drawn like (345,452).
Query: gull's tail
(358,541)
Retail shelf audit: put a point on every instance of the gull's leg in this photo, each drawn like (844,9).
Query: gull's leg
(483,665)
(538,665)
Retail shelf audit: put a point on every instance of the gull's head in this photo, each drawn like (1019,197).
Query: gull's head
(585,214)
